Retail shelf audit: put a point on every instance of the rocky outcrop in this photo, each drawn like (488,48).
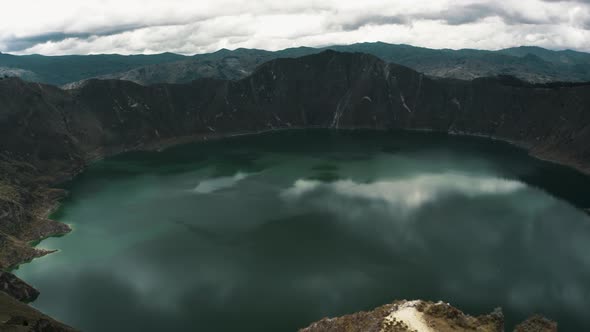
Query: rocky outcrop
(48,135)
(17,288)
(424,316)
(25,202)
(537,324)
(26,75)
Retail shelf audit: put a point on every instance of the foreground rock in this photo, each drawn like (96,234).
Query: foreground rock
(536,324)
(16,316)
(423,316)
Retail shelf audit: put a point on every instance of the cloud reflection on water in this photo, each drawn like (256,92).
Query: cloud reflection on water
(406,195)
(211,185)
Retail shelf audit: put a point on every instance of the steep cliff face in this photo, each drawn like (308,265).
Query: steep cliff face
(326,90)
(48,134)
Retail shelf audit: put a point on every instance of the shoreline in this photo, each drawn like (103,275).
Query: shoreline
(177,141)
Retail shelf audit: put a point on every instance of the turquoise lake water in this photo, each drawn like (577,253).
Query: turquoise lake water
(274,231)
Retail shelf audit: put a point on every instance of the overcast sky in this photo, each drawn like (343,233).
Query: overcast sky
(189,27)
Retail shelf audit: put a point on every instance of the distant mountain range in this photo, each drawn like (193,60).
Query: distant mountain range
(532,64)
(59,70)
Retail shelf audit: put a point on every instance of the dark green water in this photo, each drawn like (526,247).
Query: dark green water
(272,232)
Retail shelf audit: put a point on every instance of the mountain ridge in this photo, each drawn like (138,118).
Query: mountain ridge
(541,66)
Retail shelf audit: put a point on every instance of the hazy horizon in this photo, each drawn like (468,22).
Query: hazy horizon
(295,47)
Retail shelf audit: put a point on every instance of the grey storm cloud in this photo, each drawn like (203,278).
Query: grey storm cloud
(14,44)
(375,20)
(188,27)
(475,12)
(457,15)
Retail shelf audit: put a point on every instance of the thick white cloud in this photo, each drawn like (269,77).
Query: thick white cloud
(185,26)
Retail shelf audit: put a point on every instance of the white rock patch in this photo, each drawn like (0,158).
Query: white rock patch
(410,316)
